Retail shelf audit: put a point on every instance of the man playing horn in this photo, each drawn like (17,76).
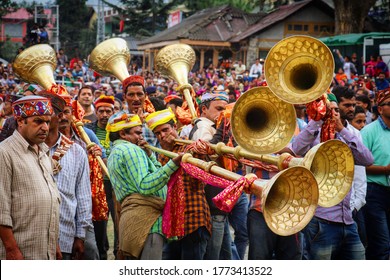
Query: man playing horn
(30,201)
(139,183)
(194,215)
(332,233)
(204,128)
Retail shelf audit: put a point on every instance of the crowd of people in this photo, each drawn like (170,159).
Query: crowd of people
(57,206)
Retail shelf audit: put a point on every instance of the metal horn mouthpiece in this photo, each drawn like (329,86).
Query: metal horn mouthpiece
(111,57)
(299,69)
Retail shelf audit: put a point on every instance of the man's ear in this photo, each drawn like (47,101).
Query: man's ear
(122,133)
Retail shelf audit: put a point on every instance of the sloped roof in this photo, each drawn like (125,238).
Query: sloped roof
(351,39)
(276,16)
(217,24)
(20,14)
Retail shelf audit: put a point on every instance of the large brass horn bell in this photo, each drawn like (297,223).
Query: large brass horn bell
(111,57)
(261,122)
(288,200)
(176,61)
(299,69)
(36,65)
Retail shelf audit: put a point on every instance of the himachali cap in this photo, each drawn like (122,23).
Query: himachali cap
(382,95)
(57,101)
(32,105)
(122,120)
(160,117)
(138,80)
(215,96)
(103,100)
(151,89)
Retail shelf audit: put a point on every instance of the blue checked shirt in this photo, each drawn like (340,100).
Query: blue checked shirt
(76,198)
(132,171)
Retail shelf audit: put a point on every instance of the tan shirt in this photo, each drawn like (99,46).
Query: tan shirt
(29,198)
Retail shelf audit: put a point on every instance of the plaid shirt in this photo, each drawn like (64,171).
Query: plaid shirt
(132,171)
(197,212)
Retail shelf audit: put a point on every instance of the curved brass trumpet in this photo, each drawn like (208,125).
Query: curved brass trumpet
(36,65)
(288,200)
(176,61)
(299,69)
(111,57)
(261,122)
(331,163)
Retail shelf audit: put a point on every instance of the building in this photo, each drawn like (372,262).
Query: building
(14,26)
(226,32)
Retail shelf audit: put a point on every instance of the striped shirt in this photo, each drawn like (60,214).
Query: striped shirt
(132,171)
(76,198)
(29,198)
(197,211)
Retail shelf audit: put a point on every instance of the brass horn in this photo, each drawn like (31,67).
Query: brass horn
(176,61)
(111,57)
(331,163)
(289,199)
(299,69)
(261,122)
(36,65)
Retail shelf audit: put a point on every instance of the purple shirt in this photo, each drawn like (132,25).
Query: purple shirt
(308,138)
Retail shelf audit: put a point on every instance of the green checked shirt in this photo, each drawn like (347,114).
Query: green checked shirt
(132,171)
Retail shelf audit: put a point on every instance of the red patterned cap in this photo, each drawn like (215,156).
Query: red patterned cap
(136,80)
(382,95)
(32,105)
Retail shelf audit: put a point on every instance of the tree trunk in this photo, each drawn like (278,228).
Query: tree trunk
(350,15)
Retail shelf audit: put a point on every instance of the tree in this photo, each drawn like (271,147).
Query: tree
(350,15)
(6,7)
(144,16)
(73,19)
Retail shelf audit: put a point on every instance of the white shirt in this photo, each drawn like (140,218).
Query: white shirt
(359,184)
(255,70)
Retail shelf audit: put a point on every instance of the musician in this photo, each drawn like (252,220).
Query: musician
(71,171)
(138,103)
(196,217)
(332,233)
(139,184)
(29,220)
(205,128)
(104,108)
(65,126)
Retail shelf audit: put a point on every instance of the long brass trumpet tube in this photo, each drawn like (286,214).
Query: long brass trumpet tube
(331,163)
(80,127)
(288,200)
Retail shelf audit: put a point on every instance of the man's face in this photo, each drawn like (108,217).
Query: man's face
(135,98)
(384,109)
(347,108)
(85,97)
(381,77)
(34,129)
(335,108)
(165,133)
(65,118)
(134,135)
(216,107)
(103,113)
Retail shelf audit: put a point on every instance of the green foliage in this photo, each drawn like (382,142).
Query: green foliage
(8,50)
(74,19)
(6,7)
